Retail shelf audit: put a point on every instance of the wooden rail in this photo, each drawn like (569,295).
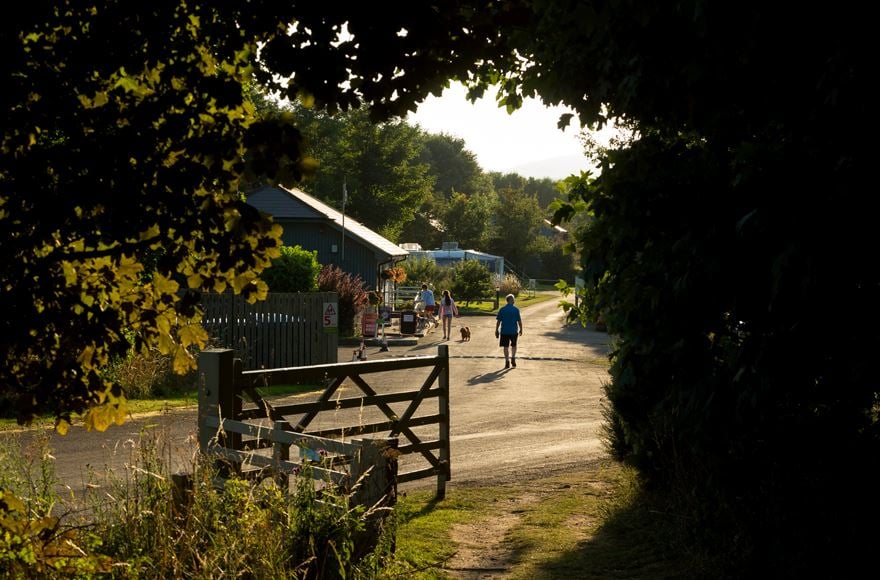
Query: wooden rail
(237,432)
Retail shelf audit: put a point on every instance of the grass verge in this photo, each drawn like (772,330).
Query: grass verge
(174,399)
(522,301)
(594,523)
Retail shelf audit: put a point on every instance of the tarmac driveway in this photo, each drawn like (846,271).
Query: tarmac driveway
(543,416)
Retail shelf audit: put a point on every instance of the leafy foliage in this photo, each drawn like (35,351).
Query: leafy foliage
(351,292)
(423,270)
(556,262)
(471,280)
(729,237)
(468,219)
(508,284)
(518,225)
(295,270)
(126,132)
(454,166)
(117,196)
(376,163)
(544,189)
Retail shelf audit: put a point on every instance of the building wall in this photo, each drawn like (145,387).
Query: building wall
(327,240)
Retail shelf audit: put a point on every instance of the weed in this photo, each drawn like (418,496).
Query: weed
(141,523)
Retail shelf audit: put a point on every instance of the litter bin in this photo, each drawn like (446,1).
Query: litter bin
(408,322)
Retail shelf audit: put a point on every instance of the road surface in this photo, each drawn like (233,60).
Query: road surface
(543,416)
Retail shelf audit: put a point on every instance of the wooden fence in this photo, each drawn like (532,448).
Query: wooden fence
(263,424)
(285,330)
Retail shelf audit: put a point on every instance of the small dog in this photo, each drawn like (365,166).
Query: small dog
(465,334)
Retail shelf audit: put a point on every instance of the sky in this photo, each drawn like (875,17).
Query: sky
(527,141)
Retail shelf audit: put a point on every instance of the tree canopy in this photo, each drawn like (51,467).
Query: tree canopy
(454,166)
(732,226)
(730,237)
(126,131)
(377,163)
(123,132)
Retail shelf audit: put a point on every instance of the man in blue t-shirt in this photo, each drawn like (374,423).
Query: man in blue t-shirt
(508,326)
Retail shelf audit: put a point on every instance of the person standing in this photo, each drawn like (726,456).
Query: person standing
(448,309)
(426,296)
(508,326)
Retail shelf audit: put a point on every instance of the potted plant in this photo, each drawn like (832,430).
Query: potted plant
(374,300)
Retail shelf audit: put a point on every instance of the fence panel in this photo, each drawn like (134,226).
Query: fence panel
(285,330)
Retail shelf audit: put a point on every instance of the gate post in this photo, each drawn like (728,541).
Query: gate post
(217,397)
(443,403)
(373,484)
(281,452)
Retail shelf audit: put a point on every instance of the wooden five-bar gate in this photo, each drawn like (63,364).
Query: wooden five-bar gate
(260,432)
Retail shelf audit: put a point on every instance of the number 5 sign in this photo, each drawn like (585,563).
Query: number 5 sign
(331,316)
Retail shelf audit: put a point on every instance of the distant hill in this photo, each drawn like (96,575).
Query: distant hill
(554,168)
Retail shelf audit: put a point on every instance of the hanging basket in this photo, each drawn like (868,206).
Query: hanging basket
(395,274)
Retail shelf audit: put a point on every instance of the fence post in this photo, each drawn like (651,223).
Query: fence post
(281,452)
(217,397)
(373,481)
(443,403)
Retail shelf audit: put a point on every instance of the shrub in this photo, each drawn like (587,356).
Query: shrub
(352,294)
(146,374)
(509,284)
(471,281)
(34,542)
(423,270)
(242,529)
(558,263)
(295,270)
(139,524)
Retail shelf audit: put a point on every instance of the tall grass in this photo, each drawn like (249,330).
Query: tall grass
(147,375)
(138,523)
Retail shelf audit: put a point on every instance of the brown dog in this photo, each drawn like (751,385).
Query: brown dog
(465,334)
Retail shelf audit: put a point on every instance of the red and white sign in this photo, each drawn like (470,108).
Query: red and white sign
(331,315)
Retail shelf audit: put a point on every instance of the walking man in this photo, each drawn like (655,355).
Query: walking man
(508,326)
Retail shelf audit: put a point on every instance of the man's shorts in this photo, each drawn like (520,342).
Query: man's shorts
(508,340)
(429,309)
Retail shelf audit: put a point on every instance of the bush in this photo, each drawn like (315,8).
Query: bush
(423,270)
(146,374)
(509,284)
(295,270)
(142,376)
(557,263)
(138,524)
(351,293)
(471,281)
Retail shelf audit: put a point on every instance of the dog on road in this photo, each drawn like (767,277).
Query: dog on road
(465,334)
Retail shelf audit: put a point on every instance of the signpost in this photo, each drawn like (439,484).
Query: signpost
(369,324)
(330,320)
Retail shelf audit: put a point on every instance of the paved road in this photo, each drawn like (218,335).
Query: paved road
(542,416)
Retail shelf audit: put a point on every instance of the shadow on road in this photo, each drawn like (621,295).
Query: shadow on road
(428,345)
(576,333)
(487,377)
